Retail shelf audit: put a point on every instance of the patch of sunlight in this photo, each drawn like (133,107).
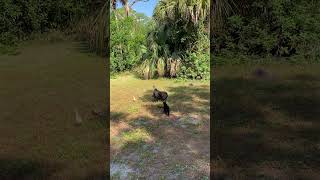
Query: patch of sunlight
(137,135)
(133,109)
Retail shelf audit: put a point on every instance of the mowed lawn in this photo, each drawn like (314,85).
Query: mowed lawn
(267,128)
(40,87)
(147,144)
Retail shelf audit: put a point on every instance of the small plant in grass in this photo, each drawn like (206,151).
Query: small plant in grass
(179,169)
(146,155)
(133,109)
(204,178)
(116,175)
(136,136)
(8,49)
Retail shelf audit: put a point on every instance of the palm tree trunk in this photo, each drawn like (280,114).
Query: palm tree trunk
(127,9)
(114,4)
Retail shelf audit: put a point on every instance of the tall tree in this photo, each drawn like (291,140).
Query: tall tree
(123,2)
(126,5)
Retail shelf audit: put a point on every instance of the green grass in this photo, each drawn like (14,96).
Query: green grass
(9,50)
(40,88)
(133,109)
(143,138)
(267,128)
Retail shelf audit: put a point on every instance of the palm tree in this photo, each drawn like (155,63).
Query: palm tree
(177,26)
(220,9)
(124,3)
(195,10)
(178,23)
(190,10)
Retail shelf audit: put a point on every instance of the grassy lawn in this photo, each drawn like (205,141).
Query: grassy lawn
(268,128)
(145,143)
(40,87)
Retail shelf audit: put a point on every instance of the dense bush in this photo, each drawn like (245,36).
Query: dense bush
(276,28)
(19,19)
(128,40)
(178,43)
(195,62)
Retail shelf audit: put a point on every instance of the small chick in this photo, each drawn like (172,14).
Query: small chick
(134,98)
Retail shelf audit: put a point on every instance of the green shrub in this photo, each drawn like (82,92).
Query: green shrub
(128,41)
(20,19)
(276,28)
(195,66)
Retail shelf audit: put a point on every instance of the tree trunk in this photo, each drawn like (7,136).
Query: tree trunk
(168,64)
(173,66)
(127,9)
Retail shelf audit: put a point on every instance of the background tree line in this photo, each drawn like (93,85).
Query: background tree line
(174,42)
(154,47)
(278,29)
(19,20)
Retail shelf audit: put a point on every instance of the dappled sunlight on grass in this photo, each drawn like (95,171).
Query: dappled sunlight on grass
(135,136)
(152,144)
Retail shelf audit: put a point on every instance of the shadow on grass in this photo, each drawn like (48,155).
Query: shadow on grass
(117,116)
(163,152)
(186,99)
(306,77)
(97,176)
(149,138)
(11,169)
(266,122)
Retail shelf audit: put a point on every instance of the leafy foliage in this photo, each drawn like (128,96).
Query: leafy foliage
(128,39)
(178,40)
(276,28)
(20,20)
(94,30)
